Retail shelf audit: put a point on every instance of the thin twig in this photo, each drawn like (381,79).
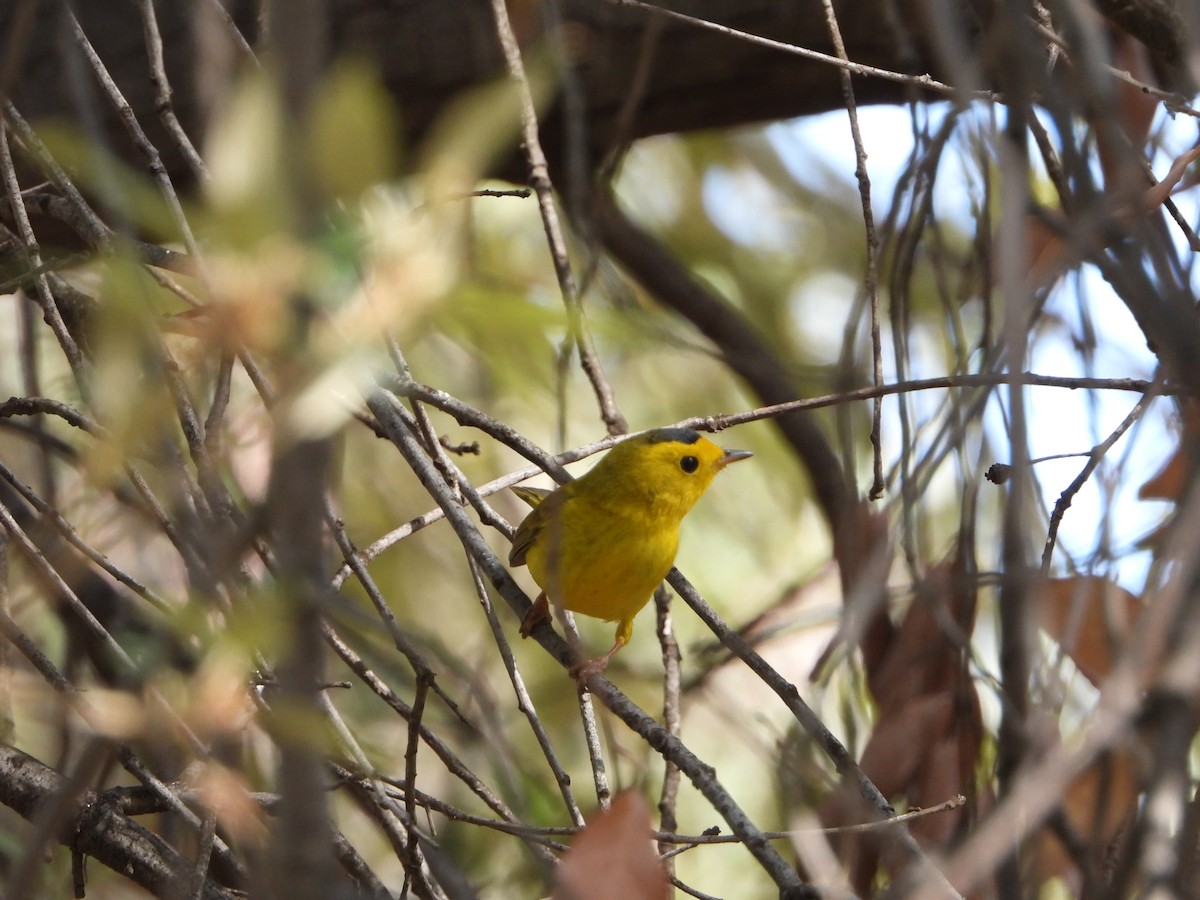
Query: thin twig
(525,702)
(63,592)
(925,82)
(492,192)
(781,872)
(158,171)
(50,514)
(204,849)
(98,234)
(698,840)
(50,310)
(810,722)
(218,406)
(400,640)
(1028,379)
(441,749)
(35,406)
(672,718)
(591,736)
(1094,459)
(43,665)
(412,851)
(235,34)
(543,188)
(162,91)
(871,277)
(691,891)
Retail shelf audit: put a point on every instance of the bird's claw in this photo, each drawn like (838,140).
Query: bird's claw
(538,613)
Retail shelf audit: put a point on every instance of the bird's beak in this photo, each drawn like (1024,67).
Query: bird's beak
(732,456)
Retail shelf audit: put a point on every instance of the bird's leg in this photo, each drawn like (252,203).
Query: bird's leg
(538,613)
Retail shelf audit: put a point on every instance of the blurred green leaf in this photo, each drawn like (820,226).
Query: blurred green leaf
(129,385)
(249,193)
(353,134)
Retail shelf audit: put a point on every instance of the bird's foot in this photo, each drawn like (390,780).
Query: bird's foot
(538,613)
(582,671)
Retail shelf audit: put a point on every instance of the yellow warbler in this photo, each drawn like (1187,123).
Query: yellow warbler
(601,544)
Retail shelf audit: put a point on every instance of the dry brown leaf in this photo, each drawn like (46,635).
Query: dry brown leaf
(949,764)
(1046,251)
(1135,110)
(1046,247)
(228,795)
(1136,107)
(1171,480)
(614,856)
(900,742)
(1096,805)
(924,746)
(1089,617)
(862,550)
(1158,194)
(1168,482)
(924,654)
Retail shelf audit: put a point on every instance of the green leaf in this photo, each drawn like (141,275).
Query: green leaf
(353,133)
(249,193)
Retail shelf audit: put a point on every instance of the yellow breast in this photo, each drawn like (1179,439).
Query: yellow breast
(606,566)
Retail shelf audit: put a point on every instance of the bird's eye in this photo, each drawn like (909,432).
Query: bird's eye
(689,464)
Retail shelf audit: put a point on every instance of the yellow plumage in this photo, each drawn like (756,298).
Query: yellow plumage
(601,544)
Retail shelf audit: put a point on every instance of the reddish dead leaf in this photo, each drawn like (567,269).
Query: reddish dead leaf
(1096,805)
(1089,617)
(901,739)
(924,746)
(925,652)
(1046,247)
(949,764)
(1158,194)
(1046,250)
(1134,108)
(1171,480)
(1168,482)
(227,794)
(614,856)
(862,549)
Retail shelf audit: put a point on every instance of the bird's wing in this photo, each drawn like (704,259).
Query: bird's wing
(531,495)
(534,524)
